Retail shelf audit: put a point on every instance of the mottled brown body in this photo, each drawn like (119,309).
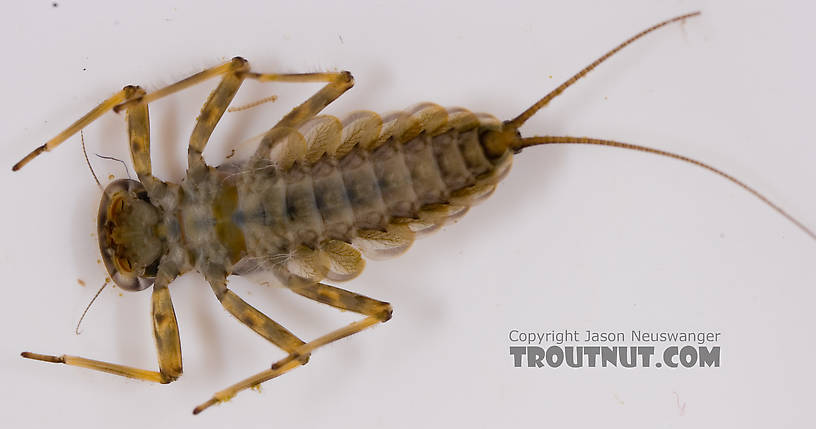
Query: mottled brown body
(297,221)
(303,221)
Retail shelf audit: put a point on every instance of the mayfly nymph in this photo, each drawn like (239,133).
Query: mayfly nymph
(316,195)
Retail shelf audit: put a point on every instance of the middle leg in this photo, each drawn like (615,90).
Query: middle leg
(376,312)
(336,84)
(256,320)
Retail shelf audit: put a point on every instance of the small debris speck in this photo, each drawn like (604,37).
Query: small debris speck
(81,282)
(54,4)
(111,177)
(680,407)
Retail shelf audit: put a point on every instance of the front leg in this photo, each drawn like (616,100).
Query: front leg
(168,344)
(129,92)
(128,98)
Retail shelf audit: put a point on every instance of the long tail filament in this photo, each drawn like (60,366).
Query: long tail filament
(524,116)
(533,141)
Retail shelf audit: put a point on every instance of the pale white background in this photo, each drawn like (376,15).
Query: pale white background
(574,238)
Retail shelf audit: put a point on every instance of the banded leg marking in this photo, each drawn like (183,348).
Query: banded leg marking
(377,312)
(129,97)
(213,110)
(336,84)
(127,93)
(165,331)
(256,320)
(139,135)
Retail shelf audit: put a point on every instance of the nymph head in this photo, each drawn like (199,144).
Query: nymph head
(129,240)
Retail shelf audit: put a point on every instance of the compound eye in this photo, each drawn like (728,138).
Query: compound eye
(116,206)
(123,264)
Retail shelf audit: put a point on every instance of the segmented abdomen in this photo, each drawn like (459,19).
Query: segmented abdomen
(332,188)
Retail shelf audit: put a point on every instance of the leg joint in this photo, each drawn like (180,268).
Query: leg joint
(345,76)
(169,378)
(386,313)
